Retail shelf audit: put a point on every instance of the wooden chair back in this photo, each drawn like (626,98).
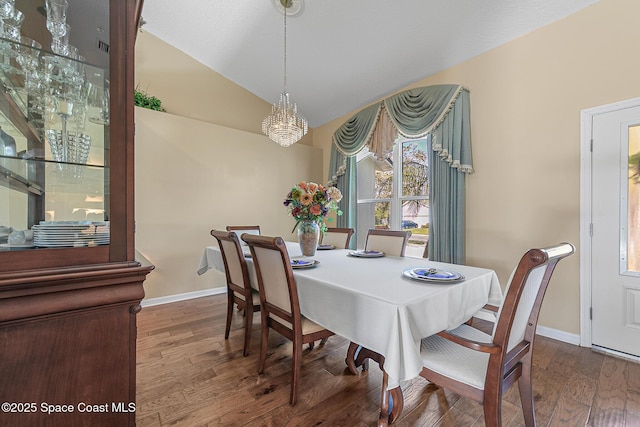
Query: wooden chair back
(241,229)
(338,237)
(239,290)
(425,254)
(235,266)
(517,317)
(277,286)
(391,242)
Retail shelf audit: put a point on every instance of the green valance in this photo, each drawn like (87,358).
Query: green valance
(357,131)
(441,111)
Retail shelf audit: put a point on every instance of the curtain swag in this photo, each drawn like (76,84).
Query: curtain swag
(441,111)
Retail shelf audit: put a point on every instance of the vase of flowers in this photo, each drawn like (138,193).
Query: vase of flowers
(308,236)
(309,203)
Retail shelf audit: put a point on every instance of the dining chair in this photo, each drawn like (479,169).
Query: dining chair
(239,290)
(425,254)
(280,308)
(390,242)
(241,229)
(338,237)
(482,367)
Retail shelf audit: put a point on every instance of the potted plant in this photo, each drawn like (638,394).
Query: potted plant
(144,100)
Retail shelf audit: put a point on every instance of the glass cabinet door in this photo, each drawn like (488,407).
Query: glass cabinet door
(54,124)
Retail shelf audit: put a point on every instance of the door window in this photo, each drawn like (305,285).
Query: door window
(632,208)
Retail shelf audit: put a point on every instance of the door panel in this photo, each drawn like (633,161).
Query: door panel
(615,247)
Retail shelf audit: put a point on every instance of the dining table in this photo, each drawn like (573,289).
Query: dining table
(377,303)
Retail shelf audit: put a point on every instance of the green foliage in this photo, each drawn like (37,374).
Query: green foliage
(634,167)
(421,230)
(144,100)
(415,174)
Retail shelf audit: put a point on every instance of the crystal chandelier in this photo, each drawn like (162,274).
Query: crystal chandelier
(284,125)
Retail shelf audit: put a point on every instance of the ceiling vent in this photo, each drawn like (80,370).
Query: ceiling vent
(102,46)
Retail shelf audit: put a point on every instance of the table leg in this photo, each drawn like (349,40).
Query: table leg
(362,359)
(351,358)
(383,419)
(397,401)
(391,403)
(359,356)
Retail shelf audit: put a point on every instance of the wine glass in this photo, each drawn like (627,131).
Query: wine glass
(98,103)
(60,44)
(57,17)
(6,8)
(57,29)
(10,30)
(28,53)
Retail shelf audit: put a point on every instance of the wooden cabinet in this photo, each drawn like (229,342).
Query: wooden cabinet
(68,311)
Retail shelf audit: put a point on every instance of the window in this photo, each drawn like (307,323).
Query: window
(396,204)
(632,208)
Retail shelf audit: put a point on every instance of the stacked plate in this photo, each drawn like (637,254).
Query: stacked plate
(433,275)
(303,263)
(4,233)
(323,247)
(52,234)
(366,254)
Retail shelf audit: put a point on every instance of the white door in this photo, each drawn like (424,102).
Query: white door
(615,242)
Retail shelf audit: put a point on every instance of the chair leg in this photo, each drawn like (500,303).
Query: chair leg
(263,344)
(323,341)
(229,313)
(492,408)
(526,392)
(295,368)
(248,323)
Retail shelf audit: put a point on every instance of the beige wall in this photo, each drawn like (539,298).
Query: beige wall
(526,98)
(192,176)
(206,150)
(189,89)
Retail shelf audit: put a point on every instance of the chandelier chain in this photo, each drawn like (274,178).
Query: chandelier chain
(285,49)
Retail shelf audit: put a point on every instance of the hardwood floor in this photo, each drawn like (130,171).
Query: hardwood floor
(189,375)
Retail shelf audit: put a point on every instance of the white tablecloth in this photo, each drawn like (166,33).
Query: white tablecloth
(368,301)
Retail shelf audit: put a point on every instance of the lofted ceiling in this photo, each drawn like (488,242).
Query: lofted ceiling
(342,54)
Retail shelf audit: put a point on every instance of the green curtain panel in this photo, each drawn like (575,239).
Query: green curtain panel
(446,210)
(440,112)
(342,171)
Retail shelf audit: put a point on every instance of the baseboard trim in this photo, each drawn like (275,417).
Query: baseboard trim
(544,331)
(182,297)
(559,335)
